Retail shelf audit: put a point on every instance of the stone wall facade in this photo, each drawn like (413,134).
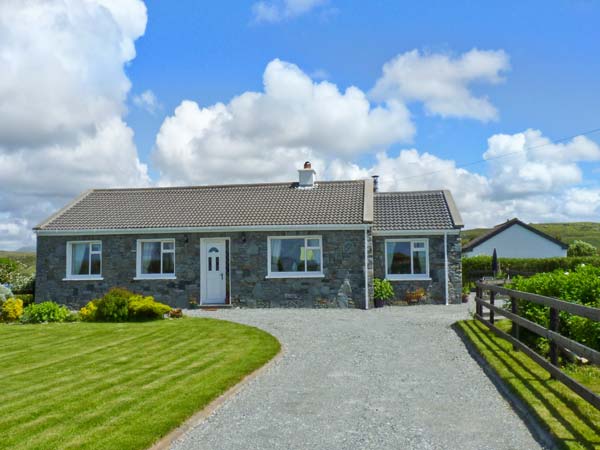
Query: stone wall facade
(434,287)
(343,283)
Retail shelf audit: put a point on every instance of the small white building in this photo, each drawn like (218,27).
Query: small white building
(516,239)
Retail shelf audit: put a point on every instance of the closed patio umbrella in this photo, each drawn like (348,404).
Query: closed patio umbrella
(495,263)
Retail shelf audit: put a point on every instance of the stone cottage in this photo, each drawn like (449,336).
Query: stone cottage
(306,243)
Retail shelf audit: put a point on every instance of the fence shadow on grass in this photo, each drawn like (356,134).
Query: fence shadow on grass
(532,381)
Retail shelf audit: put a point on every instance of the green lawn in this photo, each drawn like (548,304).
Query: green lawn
(117,386)
(573,422)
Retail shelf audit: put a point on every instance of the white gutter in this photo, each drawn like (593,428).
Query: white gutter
(414,232)
(446,265)
(366,270)
(115,231)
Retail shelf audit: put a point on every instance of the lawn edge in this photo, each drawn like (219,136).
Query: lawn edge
(197,418)
(524,410)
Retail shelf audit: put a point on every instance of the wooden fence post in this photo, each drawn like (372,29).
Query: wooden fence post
(554,326)
(478,294)
(492,299)
(515,331)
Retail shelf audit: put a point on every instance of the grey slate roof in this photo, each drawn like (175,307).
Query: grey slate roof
(419,210)
(329,202)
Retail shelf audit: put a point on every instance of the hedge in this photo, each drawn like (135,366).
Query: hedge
(475,267)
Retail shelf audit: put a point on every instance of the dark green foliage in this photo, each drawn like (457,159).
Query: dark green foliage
(45,312)
(27,298)
(383,289)
(114,306)
(582,248)
(476,267)
(581,285)
(146,308)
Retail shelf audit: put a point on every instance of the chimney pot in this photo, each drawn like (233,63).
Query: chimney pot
(307,165)
(375,183)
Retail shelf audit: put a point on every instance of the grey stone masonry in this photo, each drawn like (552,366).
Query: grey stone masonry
(434,287)
(343,283)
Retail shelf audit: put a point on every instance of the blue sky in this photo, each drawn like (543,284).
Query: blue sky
(111,93)
(212,51)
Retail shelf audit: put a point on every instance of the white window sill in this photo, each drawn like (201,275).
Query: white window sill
(155,277)
(407,278)
(83,279)
(295,275)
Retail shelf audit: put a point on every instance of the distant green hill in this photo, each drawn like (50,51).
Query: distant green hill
(27,259)
(566,232)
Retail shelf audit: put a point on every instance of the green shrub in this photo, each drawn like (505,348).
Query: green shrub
(45,312)
(475,267)
(581,248)
(114,305)
(383,289)
(7,268)
(581,285)
(146,308)
(27,299)
(22,283)
(12,309)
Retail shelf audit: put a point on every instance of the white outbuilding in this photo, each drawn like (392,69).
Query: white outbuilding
(516,239)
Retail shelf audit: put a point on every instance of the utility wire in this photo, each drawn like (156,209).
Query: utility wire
(504,155)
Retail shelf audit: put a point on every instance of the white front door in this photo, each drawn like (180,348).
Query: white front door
(215,274)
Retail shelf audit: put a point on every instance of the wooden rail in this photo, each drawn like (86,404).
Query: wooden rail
(557,341)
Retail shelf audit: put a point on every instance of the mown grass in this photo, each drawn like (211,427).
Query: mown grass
(117,386)
(573,422)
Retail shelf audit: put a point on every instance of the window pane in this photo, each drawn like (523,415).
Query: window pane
(96,247)
(286,255)
(168,245)
(80,263)
(313,243)
(419,244)
(313,260)
(419,263)
(150,257)
(168,262)
(398,257)
(96,264)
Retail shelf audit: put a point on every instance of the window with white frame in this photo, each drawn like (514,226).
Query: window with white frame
(84,260)
(295,256)
(156,258)
(406,258)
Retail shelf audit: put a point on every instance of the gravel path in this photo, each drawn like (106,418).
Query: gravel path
(392,378)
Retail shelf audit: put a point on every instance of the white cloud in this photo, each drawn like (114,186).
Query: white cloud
(533,164)
(147,101)
(442,82)
(540,193)
(264,132)
(63,89)
(280,10)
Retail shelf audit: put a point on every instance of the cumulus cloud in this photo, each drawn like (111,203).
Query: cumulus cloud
(442,82)
(529,163)
(147,101)
(293,119)
(280,10)
(63,89)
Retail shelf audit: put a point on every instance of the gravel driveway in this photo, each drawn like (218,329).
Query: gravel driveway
(391,378)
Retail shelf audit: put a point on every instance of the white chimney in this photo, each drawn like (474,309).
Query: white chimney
(306,176)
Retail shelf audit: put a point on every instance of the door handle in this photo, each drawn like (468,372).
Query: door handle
(221,276)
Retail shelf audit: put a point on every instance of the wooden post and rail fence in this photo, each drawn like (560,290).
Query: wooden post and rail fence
(558,342)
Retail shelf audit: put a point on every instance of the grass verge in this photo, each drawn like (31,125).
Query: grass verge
(109,386)
(572,422)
